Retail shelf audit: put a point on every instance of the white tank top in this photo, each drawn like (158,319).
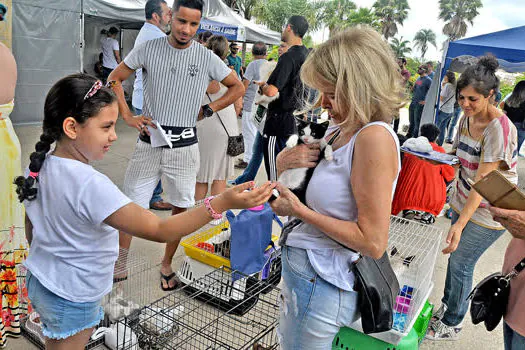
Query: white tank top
(330,193)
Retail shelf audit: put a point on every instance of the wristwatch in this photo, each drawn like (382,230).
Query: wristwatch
(207,111)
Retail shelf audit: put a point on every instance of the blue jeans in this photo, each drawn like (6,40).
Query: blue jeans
(453,122)
(415,110)
(521,134)
(475,240)
(312,310)
(442,122)
(158,190)
(512,340)
(255,162)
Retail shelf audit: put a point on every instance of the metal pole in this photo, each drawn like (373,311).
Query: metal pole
(82,41)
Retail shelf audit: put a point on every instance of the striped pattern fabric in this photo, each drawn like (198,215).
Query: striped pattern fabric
(178,166)
(175,80)
(498,143)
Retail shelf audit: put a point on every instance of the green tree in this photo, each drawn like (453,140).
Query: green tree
(275,13)
(421,40)
(336,13)
(456,14)
(391,13)
(364,15)
(400,47)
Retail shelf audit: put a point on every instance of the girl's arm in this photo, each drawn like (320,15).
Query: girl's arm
(472,204)
(140,222)
(374,169)
(29,230)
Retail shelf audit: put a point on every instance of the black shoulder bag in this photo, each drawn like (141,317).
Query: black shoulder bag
(235,143)
(489,299)
(377,288)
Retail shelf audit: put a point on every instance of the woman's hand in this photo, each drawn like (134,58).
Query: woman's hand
(243,196)
(513,220)
(301,156)
(140,122)
(453,237)
(287,204)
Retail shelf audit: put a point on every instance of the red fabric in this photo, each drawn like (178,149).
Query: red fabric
(421,185)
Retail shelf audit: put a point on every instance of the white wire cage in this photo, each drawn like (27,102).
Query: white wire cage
(413,249)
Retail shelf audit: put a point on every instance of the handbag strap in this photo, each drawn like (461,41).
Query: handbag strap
(334,136)
(218,116)
(444,103)
(520,266)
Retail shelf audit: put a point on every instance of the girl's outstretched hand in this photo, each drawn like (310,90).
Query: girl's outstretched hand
(239,198)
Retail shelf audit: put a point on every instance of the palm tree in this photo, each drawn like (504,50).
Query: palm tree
(336,13)
(391,13)
(400,47)
(457,13)
(364,15)
(422,39)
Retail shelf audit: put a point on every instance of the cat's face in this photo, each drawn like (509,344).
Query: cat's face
(310,132)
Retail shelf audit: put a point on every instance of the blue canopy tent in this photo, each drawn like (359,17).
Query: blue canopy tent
(232,32)
(508,46)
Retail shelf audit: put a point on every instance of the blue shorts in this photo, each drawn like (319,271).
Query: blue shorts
(60,317)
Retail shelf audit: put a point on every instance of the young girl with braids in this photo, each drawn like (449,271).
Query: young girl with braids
(73,212)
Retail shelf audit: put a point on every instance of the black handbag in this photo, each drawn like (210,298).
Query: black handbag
(377,288)
(235,143)
(489,298)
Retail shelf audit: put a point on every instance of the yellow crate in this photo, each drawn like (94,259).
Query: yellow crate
(211,259)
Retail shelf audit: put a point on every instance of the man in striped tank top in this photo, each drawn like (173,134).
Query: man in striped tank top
(176,71)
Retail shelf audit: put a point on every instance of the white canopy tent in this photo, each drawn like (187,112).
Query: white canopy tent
(54,38)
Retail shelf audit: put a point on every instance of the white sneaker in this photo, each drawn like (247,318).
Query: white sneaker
(438,315)
(440,331)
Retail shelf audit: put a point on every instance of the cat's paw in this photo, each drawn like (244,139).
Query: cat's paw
(292,141)
(329,153)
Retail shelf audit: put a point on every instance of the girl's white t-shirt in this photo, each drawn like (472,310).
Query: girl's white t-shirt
(73,252)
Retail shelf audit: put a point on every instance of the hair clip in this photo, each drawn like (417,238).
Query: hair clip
(33,174)
(97,86)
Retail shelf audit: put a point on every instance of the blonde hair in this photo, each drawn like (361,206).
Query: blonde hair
(363,70)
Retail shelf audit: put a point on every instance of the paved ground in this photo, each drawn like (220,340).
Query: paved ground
(114,165)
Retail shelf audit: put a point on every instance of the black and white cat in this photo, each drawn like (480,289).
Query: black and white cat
(308,133)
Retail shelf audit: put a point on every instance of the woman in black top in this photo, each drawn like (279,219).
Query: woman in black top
(514,108)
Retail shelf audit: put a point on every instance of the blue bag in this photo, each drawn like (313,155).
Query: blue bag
(251,233)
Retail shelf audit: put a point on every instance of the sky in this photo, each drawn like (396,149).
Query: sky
(423,14)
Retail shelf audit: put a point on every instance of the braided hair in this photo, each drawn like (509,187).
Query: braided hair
(67,98)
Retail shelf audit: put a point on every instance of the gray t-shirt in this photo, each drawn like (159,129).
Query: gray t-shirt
(175,80)
(253,73)
(449,98)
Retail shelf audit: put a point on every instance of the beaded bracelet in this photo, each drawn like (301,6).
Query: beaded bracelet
(212,212)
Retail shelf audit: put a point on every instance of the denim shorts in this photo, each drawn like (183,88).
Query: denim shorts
(60,317)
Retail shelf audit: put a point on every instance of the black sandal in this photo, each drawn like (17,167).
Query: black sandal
(167,279)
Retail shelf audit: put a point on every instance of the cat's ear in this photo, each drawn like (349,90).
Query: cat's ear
(326,122)
(300,119)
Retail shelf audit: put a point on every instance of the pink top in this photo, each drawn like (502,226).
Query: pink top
(515,316)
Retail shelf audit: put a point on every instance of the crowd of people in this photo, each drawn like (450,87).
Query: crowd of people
(195,90)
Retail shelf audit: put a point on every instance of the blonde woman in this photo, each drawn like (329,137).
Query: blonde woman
(349,198)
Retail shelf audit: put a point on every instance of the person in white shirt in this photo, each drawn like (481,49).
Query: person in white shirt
(158,21)
(73,212)
(110,52)
(249,129)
